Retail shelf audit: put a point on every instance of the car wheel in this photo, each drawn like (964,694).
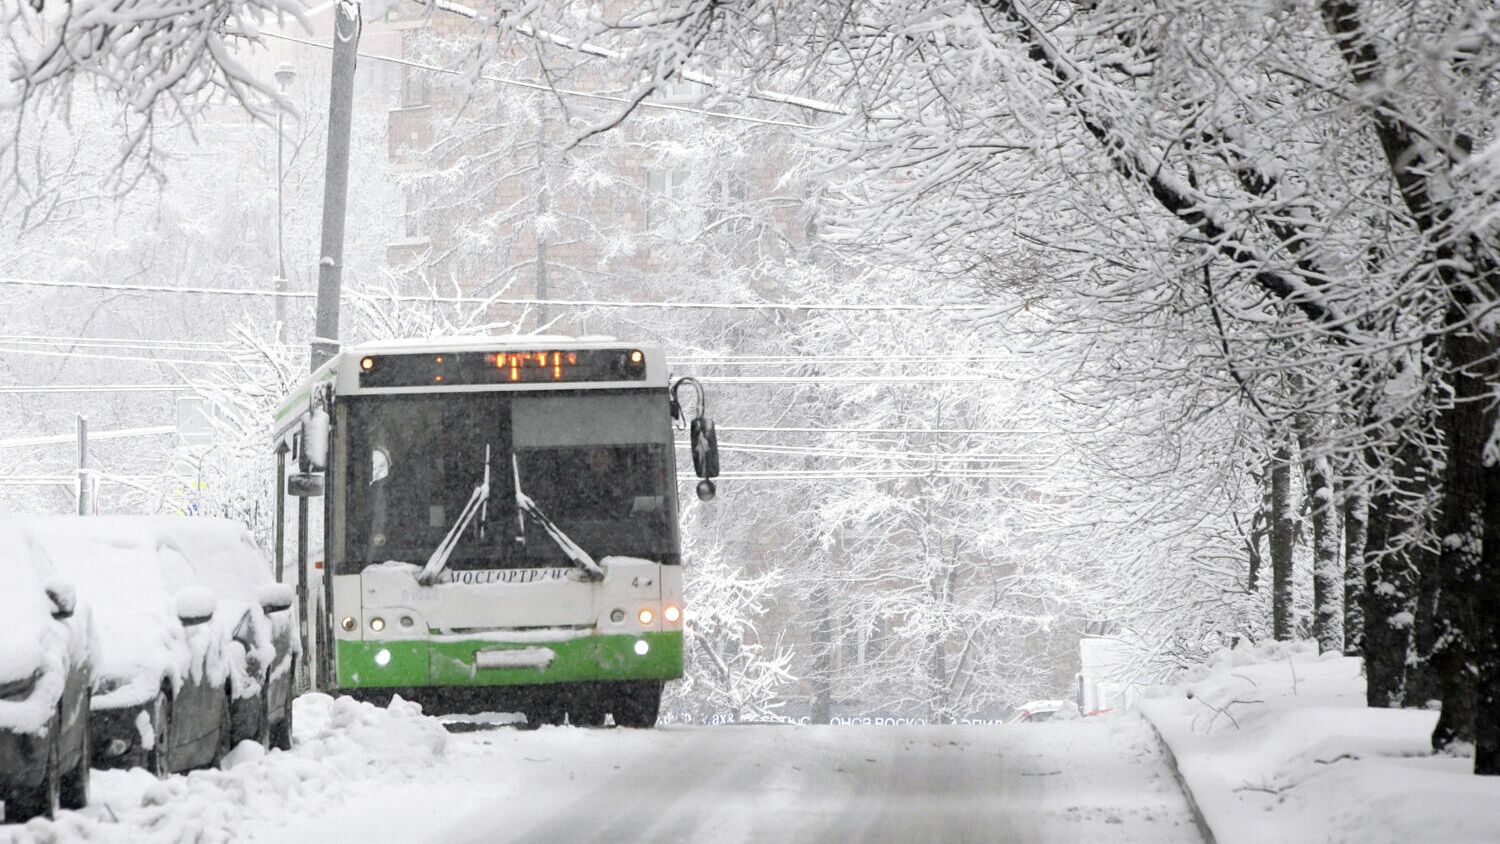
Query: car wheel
(43,800)
(159,756)
(263,730)
(637,705)
(75,784)
(281,732)
(226,730)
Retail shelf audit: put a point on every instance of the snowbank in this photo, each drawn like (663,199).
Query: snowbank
(343,749)
(1276,744)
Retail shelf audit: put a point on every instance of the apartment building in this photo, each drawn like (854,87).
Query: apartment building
(500,194)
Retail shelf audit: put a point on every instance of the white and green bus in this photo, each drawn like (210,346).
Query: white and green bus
(489,524)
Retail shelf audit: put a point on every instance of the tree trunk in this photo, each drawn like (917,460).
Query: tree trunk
(1487,601)
(1422,686)
(1283,523)
(1461,530)
(939,703)
(1328,574)
(1356,525)
(1394,533)
(822,642)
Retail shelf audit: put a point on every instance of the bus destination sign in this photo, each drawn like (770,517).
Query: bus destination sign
(501,367)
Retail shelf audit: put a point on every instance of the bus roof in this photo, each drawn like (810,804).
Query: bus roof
(341,369)
(485,343)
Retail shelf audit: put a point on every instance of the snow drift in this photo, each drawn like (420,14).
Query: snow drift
(1276,744)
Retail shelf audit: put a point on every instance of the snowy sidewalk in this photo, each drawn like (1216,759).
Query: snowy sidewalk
(1275,744)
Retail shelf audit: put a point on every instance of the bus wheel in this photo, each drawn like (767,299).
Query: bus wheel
(637,704)
(588,708)
(545,709)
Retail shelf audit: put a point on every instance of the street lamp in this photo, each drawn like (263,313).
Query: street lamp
(285,76)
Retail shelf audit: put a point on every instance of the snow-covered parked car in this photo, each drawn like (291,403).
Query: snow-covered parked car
(196,642)
(46,647)
(1037,711)
(225,559)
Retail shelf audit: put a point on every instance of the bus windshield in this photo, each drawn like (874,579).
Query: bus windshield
(598,463)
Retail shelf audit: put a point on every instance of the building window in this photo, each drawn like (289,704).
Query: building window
(416,87)
(664,190)
(681,92)
(411,216)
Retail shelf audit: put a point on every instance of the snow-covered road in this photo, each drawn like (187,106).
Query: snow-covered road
(366,775)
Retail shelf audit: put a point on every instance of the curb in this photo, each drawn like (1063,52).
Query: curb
(1199,820)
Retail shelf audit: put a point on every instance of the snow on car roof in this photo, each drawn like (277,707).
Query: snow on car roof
(221,553)
(131,570)
(115,567)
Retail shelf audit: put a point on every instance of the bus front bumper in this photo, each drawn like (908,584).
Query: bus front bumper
(408,663)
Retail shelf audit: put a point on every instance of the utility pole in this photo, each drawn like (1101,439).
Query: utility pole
(346,29)
(821,603)
(85,475)
(285,75)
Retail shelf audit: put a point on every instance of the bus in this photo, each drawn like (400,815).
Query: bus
(490,524)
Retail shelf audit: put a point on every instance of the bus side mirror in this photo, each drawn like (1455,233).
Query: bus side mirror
(304,485)
(315,440)
(704,437)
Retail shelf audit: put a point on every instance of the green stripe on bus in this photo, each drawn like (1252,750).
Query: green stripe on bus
(298,402)
(422,663)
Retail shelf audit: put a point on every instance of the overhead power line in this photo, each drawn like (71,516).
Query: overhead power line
(912,307)
(697,359)
(877,454)
(54,351)
(69,480)
(875,475)
(123,433)
(24,389)
(786,360)
(119,342)
(849,379)
(39,480)
(829,430)
(131,358)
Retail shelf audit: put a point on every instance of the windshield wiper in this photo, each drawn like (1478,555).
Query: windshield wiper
(478,500)
(571,549)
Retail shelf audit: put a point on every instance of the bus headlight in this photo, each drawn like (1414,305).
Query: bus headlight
(646,616)
(641,647)
(382,657)
(377,624)
(347,623)
(672,614)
